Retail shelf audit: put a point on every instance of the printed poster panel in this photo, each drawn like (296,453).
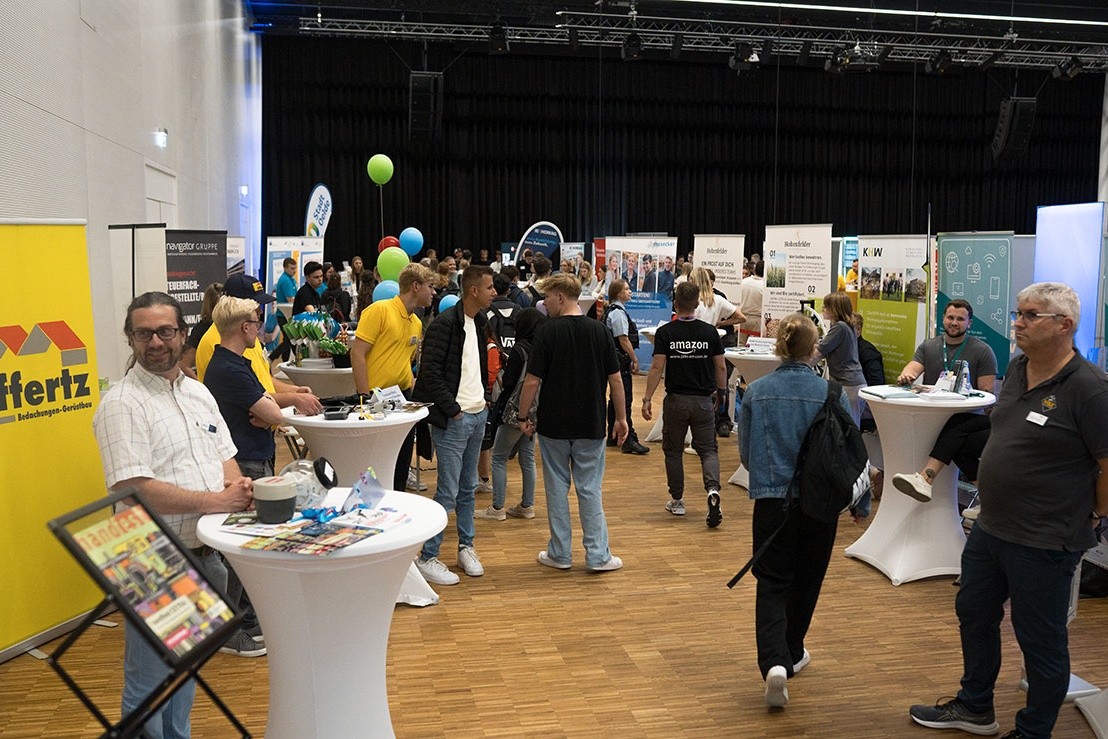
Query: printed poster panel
(798,267)
(724,254)
(301,248)
(48,393)
(148,570)
(574,252)
(541,238)
(892,296)
(194,260)
(647,265)
(976,267)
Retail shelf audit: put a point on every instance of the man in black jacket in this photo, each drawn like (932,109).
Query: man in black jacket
(453,370)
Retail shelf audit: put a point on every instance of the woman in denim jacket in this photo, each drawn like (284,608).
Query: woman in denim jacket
(776,412)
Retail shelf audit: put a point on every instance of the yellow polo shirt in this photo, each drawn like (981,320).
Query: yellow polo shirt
(394,334)
(259,362)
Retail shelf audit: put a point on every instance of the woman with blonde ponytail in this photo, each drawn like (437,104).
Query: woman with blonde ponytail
(776,412)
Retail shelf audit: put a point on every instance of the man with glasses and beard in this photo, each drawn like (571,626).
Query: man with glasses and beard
(160,434)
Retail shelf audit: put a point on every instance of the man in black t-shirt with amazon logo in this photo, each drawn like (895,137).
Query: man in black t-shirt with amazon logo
(690,353)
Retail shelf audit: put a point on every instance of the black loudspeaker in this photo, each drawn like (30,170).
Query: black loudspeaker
(424,104)
(1013,127)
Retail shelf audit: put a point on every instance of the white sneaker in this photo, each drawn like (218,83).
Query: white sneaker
(971,513)
(414,484)
(491,514)
(522,511)
(614,563)
(485,485)
(544,559)
(777,691)
(804,660)
(676,507)
(689,450)
(914,485)
(434,571)
(467,560)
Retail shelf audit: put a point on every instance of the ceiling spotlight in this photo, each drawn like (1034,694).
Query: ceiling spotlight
(631,51)
(849,59)
(498,39)
(802,57)
(743,58)
(1067,69)
(990,61)
(675,49)
(938,64)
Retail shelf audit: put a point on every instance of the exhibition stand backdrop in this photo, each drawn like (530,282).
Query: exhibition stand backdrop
(48,393)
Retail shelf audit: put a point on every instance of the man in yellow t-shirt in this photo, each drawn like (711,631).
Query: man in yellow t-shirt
(386,343)
(286,394)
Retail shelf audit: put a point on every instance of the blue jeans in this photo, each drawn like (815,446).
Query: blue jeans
(507,435)
(143,671)
(457,448)
(1038,582)
(581,460)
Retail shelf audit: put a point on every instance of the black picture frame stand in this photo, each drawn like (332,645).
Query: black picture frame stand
(132,724)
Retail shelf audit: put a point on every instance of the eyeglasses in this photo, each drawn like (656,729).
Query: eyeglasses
(257,322)
(1031,316)
(165,333)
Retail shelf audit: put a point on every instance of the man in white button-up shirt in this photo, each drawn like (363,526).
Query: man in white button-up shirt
(160,433)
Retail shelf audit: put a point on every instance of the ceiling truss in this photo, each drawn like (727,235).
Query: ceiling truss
(670,35)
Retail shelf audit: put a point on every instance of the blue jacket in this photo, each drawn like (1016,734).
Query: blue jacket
(776,412)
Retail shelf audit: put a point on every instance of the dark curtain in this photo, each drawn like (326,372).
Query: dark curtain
(601,147)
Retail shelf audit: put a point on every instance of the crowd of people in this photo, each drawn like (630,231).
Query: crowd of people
(191,440)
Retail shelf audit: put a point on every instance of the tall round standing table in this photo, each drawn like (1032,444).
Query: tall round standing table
(351,446)
(909,540)
(326,622)
(750,365)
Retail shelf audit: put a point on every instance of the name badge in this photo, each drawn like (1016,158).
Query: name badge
(1037,418)
(413,340)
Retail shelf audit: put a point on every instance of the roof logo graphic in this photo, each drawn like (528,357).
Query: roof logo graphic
(44,335)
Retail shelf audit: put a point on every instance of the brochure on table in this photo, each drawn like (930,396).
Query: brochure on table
(798,268)
(893,295)
(647,265)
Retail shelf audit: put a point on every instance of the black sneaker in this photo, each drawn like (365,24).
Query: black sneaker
(1013,734)
(612,442)
(954,715)
(632,446)
(715,515)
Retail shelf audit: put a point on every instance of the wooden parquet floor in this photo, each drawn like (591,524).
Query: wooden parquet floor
(659,649)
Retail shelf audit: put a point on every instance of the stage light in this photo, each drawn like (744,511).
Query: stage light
(631,51)
(938,64)
(498,39)
(1067,69)
(743,58)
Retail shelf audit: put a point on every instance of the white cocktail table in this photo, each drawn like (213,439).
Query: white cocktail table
(326,622)
(909,540)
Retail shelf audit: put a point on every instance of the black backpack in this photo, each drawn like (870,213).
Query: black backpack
(831,463)
(831,469)
(502,317)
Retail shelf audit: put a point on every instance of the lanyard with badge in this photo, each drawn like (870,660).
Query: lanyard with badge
(948,364)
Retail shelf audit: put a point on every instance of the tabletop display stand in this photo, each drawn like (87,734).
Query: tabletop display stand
(160,588)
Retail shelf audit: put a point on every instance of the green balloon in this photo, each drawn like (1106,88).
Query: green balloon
(379,168)
(390,262)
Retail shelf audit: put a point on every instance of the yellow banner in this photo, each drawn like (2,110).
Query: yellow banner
(48,392)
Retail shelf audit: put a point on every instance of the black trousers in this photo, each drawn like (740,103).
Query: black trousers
(403,459)
(790,574)
(961,441)
(625,375)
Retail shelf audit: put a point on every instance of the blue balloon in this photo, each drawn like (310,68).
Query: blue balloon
(386,289)
(448,301)
(411,241)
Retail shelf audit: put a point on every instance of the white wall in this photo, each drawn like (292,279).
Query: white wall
(85,85)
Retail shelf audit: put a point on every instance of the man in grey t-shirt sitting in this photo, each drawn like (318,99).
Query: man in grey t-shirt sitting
(964,435)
